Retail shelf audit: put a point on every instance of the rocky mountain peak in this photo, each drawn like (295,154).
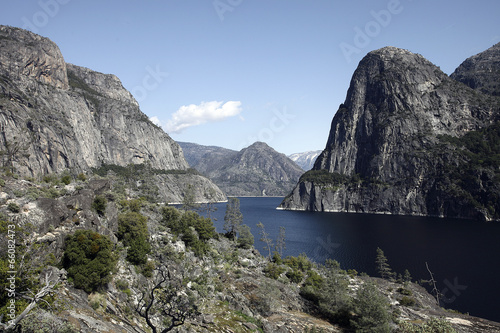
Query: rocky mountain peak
(388,136)
(25,54)
(57,117)
(481,71)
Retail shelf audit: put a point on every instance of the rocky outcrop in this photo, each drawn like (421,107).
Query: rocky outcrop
(386,151)
(481,71)
(56,116)
(257,170)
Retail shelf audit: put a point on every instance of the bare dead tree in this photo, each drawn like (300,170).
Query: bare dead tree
(34,299)
(166,301)
(432,281)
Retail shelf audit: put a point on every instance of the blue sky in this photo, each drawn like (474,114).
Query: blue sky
(231,72)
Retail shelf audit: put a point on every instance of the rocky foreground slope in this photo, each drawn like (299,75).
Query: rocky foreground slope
(56,116)
(213,285)
(410,140)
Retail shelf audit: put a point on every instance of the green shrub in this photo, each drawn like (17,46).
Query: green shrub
(371,309)
(301,263)
(295,275)
(434,325)
(99,204)
(89,259)
(404,291)
(133,231)
(194,230)
(66,179)
(407,301)
(273,270)
(121,284)
(13,207)
(245,239)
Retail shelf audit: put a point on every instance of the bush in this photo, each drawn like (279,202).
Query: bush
(89,259)
(371,309)
(407,301)
(301,263)
(273,270)
(434,325)
(133,231)
(13,207)
(245,239)
(99,204)
(66,179)
(194,230)
(295,275)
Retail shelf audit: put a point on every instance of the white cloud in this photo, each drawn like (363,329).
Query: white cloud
(192,115)
(155,120)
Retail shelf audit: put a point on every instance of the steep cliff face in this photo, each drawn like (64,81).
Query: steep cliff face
(56,116)
(481,71)
(386,151)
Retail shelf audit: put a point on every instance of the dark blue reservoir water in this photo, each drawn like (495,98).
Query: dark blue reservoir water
(464,255)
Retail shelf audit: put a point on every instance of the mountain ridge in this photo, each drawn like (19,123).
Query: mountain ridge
(385,152)
(257,170)
(56,116)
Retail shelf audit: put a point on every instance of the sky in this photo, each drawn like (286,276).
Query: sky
(232,72)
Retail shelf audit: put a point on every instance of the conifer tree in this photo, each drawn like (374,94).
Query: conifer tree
(383,267)
(233,218)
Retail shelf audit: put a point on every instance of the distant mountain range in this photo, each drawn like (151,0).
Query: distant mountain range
(257,170)
(306,159)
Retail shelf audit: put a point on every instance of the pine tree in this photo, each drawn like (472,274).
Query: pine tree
(383,267)
(265,238)
(280,242)
(233,218)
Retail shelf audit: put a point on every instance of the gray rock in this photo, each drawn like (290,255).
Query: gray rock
(63,116)
(385,142)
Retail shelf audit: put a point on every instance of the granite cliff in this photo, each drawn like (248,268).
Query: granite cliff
(56,116)
(257,170)
(406,141)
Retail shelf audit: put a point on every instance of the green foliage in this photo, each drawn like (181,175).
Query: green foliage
(138,177)
(194,230)
(233,217)
(323,177)
(383,267)
(99,204)
(81,177)
(245,239)
(13,207)
(313,279)
(133,231)
(121,284)
(371,309)
(66,179)
(434,325)
(89,259)
(300,263)
(37,321)
(273,270)
(407,301)
(473,171)
(188,199)
(295,275)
